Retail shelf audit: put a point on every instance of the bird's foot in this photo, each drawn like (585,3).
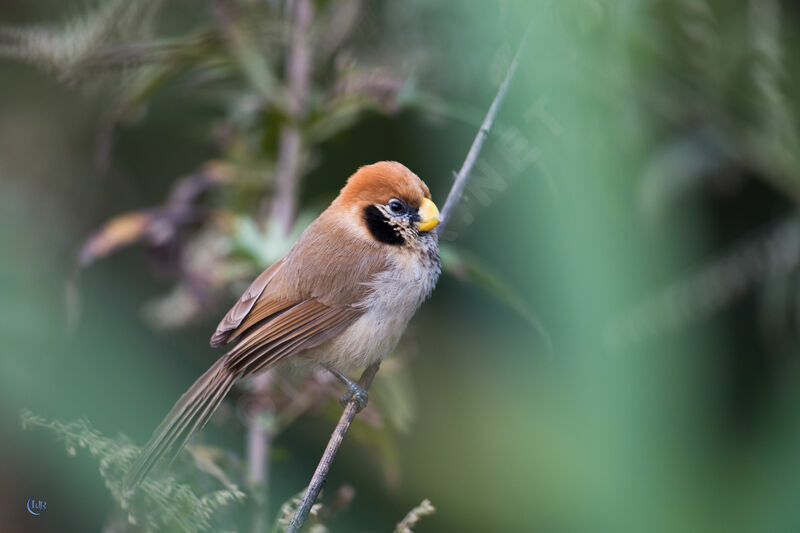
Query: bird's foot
(357,394)
(354,392)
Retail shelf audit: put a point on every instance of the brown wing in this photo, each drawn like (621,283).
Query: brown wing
(305,299)
(302,326)
(240,310)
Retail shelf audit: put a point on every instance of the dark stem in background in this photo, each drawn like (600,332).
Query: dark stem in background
(453,197)
(282,211)
(283,207)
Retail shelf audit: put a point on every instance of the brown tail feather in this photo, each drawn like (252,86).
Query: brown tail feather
(189,414)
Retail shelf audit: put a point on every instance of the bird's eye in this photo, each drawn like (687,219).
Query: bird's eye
(396,206)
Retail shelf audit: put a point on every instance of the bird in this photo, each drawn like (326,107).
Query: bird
(339,300)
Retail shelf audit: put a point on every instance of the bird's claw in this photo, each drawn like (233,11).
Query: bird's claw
(354,392)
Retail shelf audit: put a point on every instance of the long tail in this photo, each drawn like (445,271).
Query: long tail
(189,414)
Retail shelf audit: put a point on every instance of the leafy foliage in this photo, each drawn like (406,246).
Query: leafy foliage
(70,50)
(159,505)
(719,142)
(244,61)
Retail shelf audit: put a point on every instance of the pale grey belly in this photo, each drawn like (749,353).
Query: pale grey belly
(366,341)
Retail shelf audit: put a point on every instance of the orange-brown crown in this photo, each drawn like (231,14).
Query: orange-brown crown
(380,182)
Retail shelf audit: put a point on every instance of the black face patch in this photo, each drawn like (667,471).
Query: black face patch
(380,227)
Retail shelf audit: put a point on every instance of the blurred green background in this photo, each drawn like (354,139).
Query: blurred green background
(613,346)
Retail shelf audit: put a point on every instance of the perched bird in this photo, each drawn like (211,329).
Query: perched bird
(340,299)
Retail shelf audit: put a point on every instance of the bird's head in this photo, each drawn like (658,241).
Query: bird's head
(390,203)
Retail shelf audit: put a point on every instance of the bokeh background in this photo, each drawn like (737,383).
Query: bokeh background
(613,346)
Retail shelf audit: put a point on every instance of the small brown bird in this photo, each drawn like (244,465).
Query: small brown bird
(341,298)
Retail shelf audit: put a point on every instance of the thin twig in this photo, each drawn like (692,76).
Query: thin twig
(350,411)
(460,182)
(321,473)
(414,515)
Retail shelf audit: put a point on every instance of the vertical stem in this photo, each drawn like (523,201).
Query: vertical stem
(283,208)
(259,449)
(282,211)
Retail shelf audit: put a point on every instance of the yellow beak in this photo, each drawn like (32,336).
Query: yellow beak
(428,215)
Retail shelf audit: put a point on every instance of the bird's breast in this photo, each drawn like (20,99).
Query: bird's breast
(395,296)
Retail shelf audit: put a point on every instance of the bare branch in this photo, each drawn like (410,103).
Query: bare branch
(350,411)
(457,190)
(321,473)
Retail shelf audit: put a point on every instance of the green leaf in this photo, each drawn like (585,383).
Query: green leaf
(266,245)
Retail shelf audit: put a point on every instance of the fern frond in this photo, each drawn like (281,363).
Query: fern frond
(63,50)
(159,504)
